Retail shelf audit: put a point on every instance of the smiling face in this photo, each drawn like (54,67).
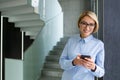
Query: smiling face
(86,26)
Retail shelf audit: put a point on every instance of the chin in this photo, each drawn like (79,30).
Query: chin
(86,35)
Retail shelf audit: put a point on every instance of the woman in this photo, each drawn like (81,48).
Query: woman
(75,65)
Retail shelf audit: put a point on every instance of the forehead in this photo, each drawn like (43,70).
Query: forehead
(88,19)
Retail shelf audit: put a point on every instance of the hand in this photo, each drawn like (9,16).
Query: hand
(89,63)
(77,60)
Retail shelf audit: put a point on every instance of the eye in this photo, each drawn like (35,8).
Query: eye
(83,23)
(91,24)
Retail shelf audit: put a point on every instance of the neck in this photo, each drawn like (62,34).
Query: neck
(83,36)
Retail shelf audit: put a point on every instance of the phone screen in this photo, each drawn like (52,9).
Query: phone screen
(85,56)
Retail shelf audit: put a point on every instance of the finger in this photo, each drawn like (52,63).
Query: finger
(89,59)
(86,66)
(89,66)
(78,57)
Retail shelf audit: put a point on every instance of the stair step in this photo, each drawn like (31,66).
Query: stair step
(28,33)
(32,37)
(29,23)
(25,10)
(55,52)
(25,17)
(54,65)
(65,39)
(31,34)
(12,4)
(50,78)
(52,72)
(34,29)
(61,43)
(53,58)
(59,47)
(51,65)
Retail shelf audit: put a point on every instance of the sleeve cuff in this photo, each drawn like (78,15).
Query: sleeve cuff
(94,69)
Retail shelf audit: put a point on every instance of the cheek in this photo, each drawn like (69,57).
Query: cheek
(92,30)
(80,29)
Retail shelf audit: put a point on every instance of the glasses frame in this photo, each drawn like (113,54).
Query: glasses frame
(85,24)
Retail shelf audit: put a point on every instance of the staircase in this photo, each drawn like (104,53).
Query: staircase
(51,69)
(23,15)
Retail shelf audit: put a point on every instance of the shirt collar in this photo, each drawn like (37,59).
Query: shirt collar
(85,39)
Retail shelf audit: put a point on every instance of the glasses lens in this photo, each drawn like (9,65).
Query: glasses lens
(86,24)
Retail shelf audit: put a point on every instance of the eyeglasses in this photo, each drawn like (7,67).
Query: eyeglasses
(84,24)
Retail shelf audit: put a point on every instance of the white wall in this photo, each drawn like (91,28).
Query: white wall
(35,55)
(47,38)
(52,9)
(13,69)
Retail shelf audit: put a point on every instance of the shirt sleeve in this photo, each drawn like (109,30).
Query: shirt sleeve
(100,71)
(64,61)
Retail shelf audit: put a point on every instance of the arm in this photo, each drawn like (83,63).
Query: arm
(64,60)
(99,72)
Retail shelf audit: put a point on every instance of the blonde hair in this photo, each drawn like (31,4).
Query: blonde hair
(93,16)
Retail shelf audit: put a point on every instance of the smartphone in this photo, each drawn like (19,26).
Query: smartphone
(85,56)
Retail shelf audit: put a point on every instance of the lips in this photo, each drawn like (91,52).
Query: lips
(86,31)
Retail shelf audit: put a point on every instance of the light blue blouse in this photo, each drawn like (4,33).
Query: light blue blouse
(83,46)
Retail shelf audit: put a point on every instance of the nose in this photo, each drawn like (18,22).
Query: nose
(87,27)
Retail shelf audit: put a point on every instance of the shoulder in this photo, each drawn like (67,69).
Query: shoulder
(98,41)
(74,37)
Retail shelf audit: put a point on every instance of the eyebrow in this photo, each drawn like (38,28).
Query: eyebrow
(87,22)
